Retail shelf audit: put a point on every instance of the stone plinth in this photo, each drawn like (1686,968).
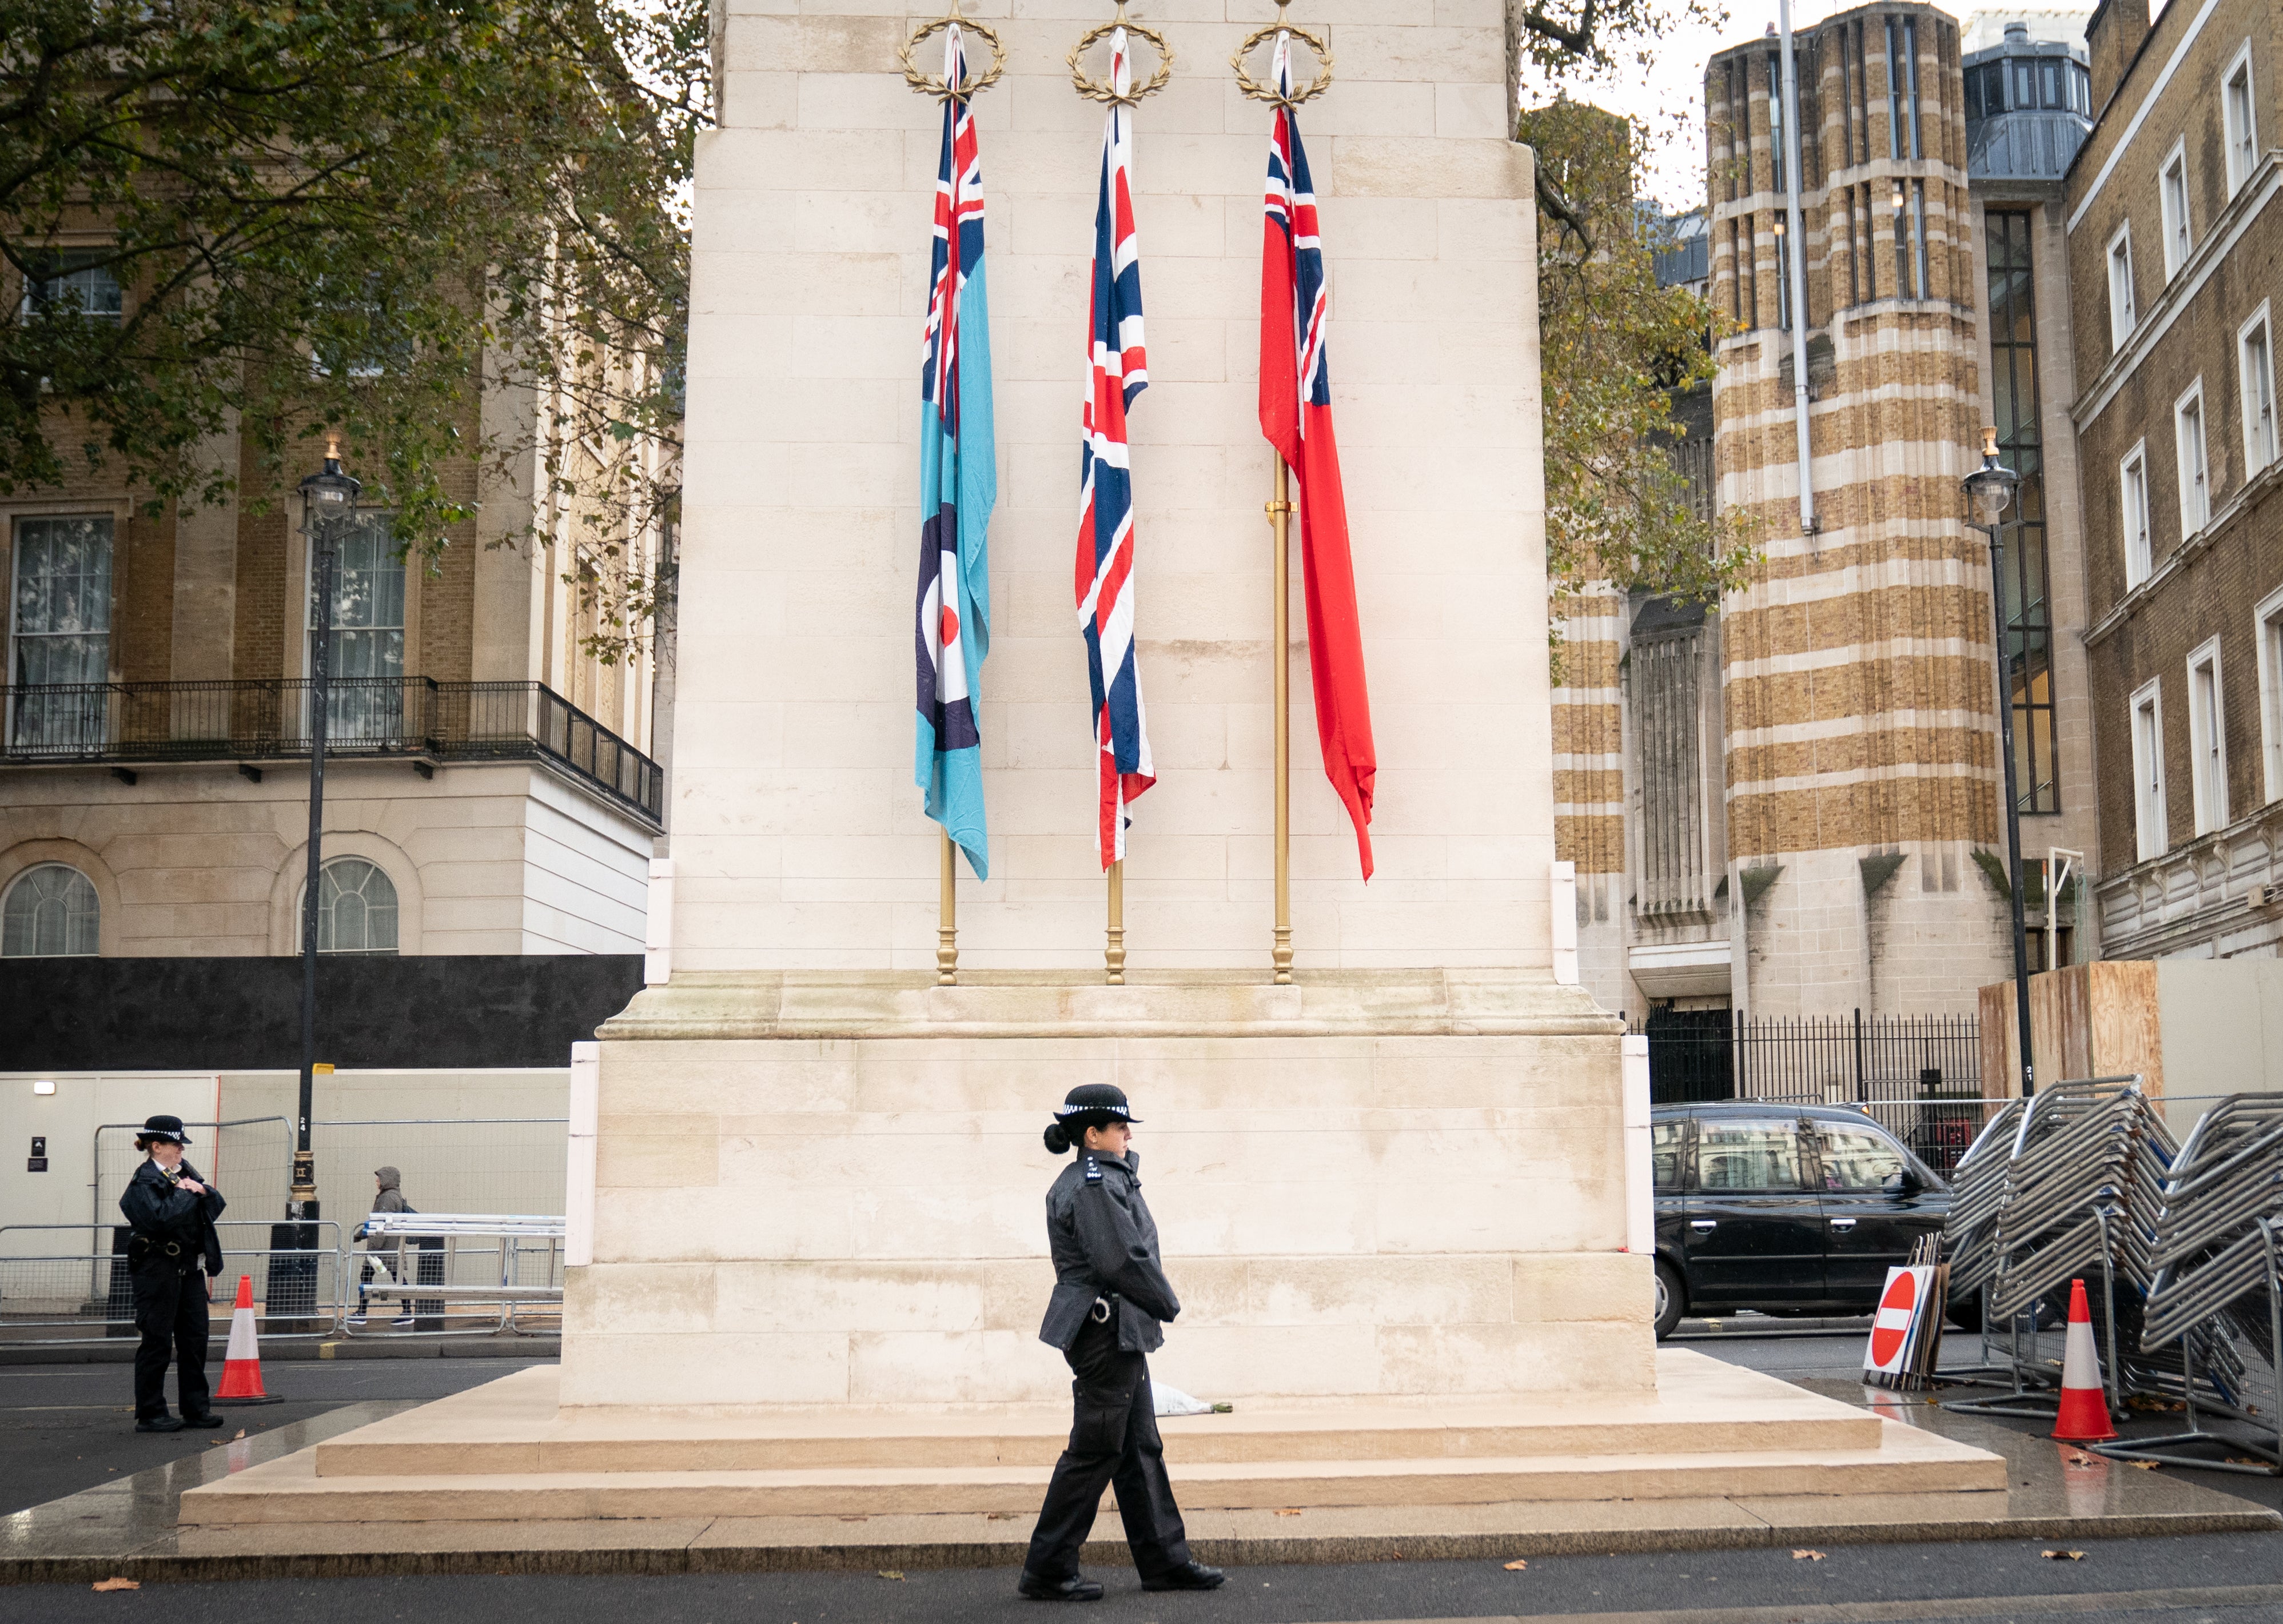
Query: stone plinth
(826,1191)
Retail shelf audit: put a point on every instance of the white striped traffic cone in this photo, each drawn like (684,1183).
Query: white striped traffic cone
(241,1367)
(2084,1416)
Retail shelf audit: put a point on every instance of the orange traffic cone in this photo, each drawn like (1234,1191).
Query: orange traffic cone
(241,1367)
(2084,1416)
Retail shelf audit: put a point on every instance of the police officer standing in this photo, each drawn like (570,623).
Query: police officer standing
(171,1256)
(1111,1296)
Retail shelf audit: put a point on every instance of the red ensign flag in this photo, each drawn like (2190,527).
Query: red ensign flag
(1295,414)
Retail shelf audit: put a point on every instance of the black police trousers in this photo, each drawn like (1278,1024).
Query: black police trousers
(170,1311)
(1113,1440)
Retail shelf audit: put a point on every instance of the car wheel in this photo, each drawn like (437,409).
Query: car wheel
(1672,1298)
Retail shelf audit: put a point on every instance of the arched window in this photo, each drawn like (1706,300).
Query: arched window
(356,908)
(51,912)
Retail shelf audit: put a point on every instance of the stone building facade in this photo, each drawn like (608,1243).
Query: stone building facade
(1789,804)
(488,788)
(2175,216)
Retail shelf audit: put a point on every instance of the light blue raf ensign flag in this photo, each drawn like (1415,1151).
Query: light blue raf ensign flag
(959,487)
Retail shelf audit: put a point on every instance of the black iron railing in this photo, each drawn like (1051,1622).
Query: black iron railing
(1921,1075)
(252,722)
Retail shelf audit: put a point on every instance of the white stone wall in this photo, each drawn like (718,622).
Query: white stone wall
(798,836)
(197,861)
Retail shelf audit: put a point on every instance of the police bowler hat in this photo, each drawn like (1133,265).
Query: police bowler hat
(169,1127)
(1098,1103)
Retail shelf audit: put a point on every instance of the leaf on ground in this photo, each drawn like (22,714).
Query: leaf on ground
(1288,1510)
(896,1573)
(117,1584)
(2143,1465)
(1009,1516)
(241,1431)
(1516,1566)
(2063,1556)
(1807,1556)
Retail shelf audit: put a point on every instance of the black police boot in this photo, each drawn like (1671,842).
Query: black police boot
(159,1424)
(1077,1588)
(208,1419)
(1188,1577)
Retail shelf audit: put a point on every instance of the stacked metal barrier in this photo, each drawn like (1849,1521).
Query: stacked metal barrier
(2083,1190)
(1970,1234)
(2218,1257)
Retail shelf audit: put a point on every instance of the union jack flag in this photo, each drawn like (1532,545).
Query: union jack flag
(959,487)
(1295,414)
(1119,367)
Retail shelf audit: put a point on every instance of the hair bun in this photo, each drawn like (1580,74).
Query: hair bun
(1057,1141)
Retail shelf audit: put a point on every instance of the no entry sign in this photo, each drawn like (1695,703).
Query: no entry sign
(1894,1327)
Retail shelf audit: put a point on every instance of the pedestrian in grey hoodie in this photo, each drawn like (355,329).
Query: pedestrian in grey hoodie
(385,1249)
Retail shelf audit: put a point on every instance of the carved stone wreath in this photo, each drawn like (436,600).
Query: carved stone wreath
(932,84)
(1097,92)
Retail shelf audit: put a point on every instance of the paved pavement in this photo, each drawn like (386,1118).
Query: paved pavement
(2225,1577)
(67,1427)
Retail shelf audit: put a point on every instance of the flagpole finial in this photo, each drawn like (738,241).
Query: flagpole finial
(931,84)
(1279,94)
(1111,92)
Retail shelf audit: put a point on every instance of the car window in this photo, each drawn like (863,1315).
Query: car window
(1857,1158)
(1747,1155)
(1668,1146)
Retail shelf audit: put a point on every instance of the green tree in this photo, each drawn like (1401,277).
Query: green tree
(334,215)
(1614,347)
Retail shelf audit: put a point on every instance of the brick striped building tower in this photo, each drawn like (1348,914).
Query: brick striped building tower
(1858,694)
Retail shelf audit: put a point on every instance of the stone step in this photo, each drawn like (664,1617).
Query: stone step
(513,1427)
(1905,1461)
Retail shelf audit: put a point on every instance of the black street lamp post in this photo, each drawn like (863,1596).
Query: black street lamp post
(1990,488)
(328,499)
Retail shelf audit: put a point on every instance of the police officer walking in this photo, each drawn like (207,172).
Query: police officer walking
(171,1256)
(1111,1296)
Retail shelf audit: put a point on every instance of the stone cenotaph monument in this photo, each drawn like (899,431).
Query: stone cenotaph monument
(1393,1192)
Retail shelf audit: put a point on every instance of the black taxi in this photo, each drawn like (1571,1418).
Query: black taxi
(1784,1209)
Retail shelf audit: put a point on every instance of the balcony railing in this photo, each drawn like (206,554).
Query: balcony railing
(366,716)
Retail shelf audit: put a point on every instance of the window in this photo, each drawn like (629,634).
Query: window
(2207,740)
(1776,149)
(1856,1158)
(2172,192)
(356,908)
(2195,466)
(1747,1155)
(59,626)
(365,658)
(2267,630)
(1894,90)
(2027,600)
(2255,355)
(2121,317)
(1668,1155)
(2151,837)
(74,280)
(1903,88)
(1918,237)
(2139,559)
(51,912)
(1897,199)
(2237,112)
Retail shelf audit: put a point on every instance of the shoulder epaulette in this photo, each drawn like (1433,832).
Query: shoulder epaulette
(1093,1171)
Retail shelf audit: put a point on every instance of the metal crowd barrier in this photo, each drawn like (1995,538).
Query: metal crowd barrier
(435,1249)
(67,1284)
(2219,1249)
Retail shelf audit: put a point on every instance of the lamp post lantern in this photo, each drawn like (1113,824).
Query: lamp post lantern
(1990,490)
(328,500)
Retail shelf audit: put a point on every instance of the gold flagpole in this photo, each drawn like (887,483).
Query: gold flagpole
(1113,954)
(947,924)
(1280,518)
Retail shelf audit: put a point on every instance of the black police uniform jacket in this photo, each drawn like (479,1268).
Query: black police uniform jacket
(1105,1245)
(161,1214)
